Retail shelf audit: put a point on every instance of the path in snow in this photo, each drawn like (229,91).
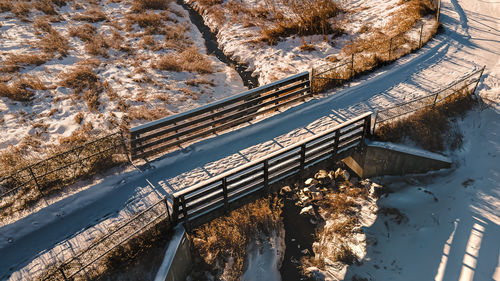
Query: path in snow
(469,41)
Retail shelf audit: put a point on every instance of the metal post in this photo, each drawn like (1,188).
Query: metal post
(184,212)
(336,145)
(302,163)
(36,181)
(390,48)
(366,129)
(352,66)
(266,175)
(478,80)
(420,41)
(224,192)
(64,275)
(168,209)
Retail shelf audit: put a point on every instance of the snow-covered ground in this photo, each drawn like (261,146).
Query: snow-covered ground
(453,226)
(136,90)
(239,39)
(471,39)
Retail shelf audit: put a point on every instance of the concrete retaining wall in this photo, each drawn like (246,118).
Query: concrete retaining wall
(177,260)
(382,159)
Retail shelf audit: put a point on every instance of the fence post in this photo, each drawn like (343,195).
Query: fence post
(438,10)
(390,48)
(375,122)
(62,273)
(302,163)
(224,192)
(175,211)
(352,66)
(266,175)
(366,129)
(311,78)
(420,40)
(336,145)
(184,212)
(122,137)
(36,181)
(168,209)
(478,80)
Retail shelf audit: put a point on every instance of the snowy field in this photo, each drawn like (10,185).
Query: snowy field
(470,40)
(133,90)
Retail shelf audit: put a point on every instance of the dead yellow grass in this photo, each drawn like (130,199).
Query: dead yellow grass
(21,89)
(430,127)
(15,62)
(228,237)
(94,14)
(54,42)
(188,60)
(84,80)
(141,5)
(144,113)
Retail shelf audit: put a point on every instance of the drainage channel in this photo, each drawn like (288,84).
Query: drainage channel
(299,237)
(213,48)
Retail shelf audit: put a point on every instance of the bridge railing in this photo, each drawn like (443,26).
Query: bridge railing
(227,191)
(170,132)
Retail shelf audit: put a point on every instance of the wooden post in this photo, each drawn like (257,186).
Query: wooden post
(224,192)
(266,175)
(302,163)
(311,79)
(126,151)
(420,41)
(438,10)
(390,48)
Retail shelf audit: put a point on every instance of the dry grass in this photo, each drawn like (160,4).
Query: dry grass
(228,237)
(84,80)
(97,46)
(85,32)
(188,60)
(21,89)
(79,118)
(42,24)
(145,19)
(430,127)
(141,5)
(54,42)
(175,37)
(308,17)
(15,62)
(94,14)
(144,113)
(46,6)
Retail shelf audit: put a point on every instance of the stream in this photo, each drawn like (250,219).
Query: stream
(299,236)
(213,48)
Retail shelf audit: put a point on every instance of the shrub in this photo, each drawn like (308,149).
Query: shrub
(188,60)
(14,62)
(94,14)
(54,42)
(141,5)
(85,32)
(145,19)
(21,89)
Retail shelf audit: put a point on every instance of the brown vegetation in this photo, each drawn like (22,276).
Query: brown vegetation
(430,127)
(21,89)
(141,5)
(84,80)
(15,62)
(54,42)
(187,60)
(228,237)
(94,14)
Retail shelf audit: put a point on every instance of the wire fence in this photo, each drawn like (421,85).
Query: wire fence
(368,54)
(114,248)
(27,186)
(467,84)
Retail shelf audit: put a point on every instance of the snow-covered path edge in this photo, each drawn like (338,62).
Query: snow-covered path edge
(448,57)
